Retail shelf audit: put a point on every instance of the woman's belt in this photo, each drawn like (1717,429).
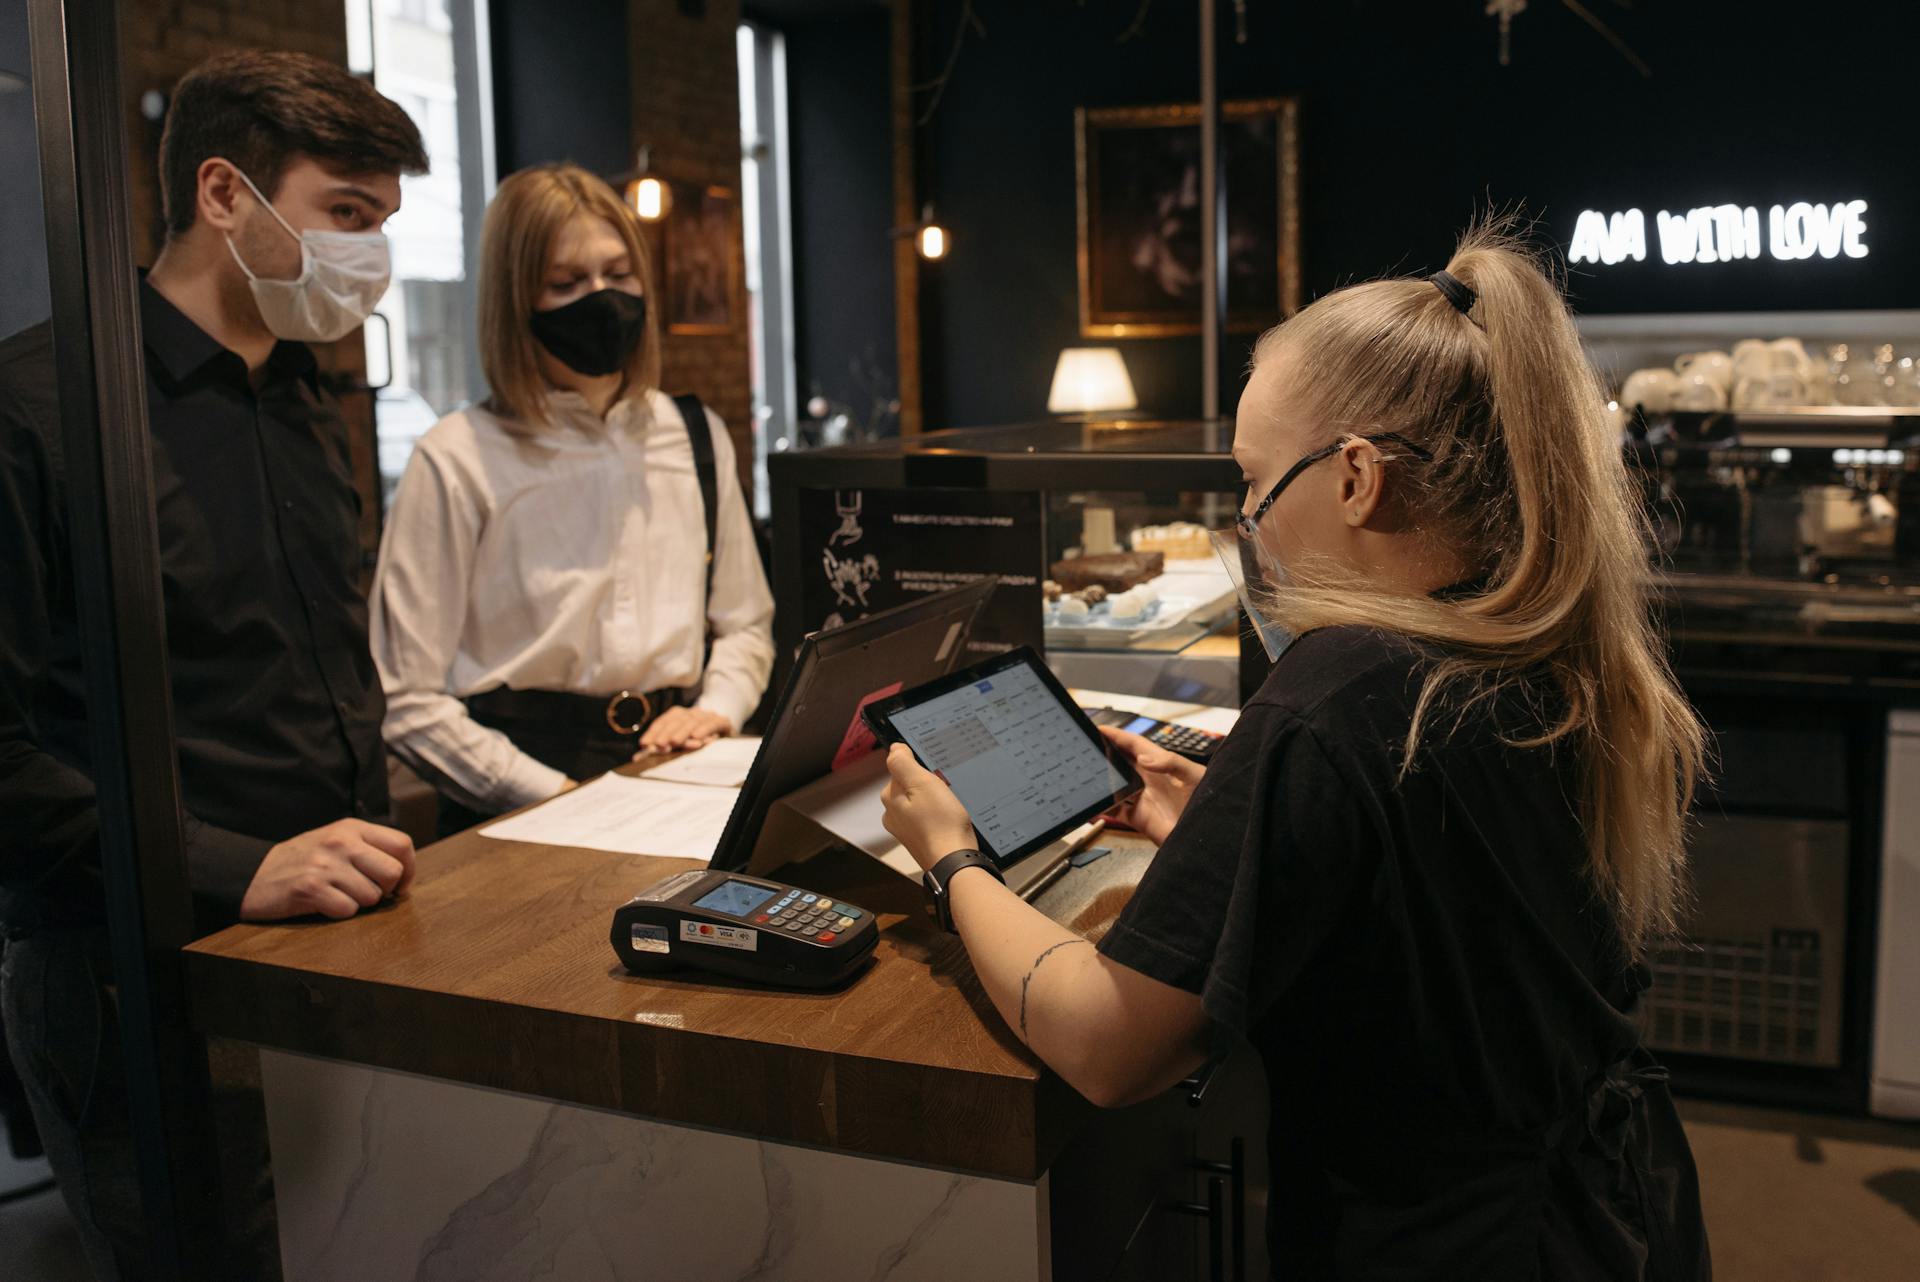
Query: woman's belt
(626,712)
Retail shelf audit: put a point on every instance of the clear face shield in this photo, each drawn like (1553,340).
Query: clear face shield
(1254,567)
(1254,571)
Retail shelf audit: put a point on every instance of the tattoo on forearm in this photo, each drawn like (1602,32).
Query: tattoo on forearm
(1027,979)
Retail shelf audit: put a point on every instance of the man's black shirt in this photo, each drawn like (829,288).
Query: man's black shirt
(276,704)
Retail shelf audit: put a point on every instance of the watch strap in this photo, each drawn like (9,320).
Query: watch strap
(941,875)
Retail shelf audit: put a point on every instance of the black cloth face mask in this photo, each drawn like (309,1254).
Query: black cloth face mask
(594,335)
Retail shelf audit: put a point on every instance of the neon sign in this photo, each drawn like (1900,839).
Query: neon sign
(1723,234)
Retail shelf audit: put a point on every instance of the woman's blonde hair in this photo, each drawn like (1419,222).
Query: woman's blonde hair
(1528,485)
(524,219)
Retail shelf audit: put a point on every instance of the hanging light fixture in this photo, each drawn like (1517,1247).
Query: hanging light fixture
(931,240)
(649,195)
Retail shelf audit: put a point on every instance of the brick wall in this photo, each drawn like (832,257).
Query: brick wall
(686,107)
(162,40)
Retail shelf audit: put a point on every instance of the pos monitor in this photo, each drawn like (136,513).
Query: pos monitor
(817,726)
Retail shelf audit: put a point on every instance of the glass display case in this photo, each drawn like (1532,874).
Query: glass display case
(1097,530)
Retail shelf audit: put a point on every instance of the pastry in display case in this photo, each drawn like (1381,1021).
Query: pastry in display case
(1167,591)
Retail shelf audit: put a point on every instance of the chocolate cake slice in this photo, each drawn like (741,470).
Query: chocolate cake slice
(1114,571)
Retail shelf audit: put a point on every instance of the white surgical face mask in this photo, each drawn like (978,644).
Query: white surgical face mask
(342,277)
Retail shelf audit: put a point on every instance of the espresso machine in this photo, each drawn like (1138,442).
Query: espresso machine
(1788,567)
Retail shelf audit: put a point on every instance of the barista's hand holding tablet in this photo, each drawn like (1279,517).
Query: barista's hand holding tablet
(1167,779)
(1032,767)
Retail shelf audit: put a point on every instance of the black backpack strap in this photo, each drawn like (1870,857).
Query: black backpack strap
(700,436)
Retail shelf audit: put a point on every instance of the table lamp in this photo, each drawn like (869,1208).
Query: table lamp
(1090,380)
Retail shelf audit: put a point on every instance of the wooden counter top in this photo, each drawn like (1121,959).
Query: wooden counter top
(496,970)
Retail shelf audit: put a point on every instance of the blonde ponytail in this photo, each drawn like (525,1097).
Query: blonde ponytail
(1528,486)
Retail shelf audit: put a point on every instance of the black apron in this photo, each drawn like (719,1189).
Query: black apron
(1606,1193)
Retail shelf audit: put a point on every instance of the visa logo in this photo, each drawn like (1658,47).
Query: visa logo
(984,686)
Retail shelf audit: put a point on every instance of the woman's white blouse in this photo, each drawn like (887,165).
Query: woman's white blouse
(573,560)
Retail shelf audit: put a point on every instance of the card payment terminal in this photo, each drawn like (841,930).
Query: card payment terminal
(745,927)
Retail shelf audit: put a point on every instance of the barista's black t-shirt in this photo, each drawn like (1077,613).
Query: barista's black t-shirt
(1441,1000)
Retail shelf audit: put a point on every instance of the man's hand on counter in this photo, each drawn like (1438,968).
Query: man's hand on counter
(334,871)
(1168,779)
(679,729)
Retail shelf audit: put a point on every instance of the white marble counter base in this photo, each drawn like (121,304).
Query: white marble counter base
(383,1175)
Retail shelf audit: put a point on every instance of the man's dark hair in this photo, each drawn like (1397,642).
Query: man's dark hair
(260,109)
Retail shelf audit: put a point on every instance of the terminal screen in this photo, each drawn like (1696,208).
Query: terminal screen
(1012,753)
(737,897)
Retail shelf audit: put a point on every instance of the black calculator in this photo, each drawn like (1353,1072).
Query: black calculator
(1192,743)
(745,927)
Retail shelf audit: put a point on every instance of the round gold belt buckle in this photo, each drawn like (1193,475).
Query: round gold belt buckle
(613,712)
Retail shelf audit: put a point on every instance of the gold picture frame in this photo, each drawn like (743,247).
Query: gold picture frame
(1137,175)
(700,256)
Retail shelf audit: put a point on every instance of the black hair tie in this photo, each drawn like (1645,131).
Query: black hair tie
(1457,293)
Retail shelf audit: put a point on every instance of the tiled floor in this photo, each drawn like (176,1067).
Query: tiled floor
(37,1241)
(1798,1197)
(1790,1197)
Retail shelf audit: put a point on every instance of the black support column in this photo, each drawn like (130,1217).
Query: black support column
(96,331)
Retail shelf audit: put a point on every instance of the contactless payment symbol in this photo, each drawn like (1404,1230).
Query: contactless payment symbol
(701,932)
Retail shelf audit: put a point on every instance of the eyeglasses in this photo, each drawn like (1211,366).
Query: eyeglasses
(1246,522)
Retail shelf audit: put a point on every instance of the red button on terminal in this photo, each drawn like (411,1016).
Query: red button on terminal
(760,917)
(827,937)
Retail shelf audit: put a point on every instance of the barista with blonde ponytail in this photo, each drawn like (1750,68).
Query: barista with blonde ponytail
(1420,874)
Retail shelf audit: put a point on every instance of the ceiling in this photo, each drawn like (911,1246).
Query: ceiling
(787,12)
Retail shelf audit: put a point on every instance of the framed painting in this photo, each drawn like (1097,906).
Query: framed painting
(700,246)
(1139,185)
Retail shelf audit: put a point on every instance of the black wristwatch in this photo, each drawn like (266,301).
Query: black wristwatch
(941,875)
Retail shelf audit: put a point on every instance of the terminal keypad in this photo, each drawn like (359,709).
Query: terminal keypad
(809,916)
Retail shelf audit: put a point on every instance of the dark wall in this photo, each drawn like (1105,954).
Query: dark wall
(1409,127)
(561,85)
(840,145)
(24,299)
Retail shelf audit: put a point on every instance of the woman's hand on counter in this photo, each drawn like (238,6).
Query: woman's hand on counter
(682,729)
(567,785)
(1168,779)
(922,812)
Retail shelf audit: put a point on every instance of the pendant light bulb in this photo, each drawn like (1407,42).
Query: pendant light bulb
(650,199)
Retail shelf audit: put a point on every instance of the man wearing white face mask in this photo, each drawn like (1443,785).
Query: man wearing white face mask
(277,173)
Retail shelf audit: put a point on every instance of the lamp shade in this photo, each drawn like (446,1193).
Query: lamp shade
(1088,380)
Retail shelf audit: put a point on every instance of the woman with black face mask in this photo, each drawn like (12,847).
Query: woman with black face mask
(568,576)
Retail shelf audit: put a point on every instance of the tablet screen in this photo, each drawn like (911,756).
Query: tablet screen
(1013,753)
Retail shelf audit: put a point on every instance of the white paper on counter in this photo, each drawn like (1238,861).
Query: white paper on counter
(721,764)
(1198,715)
(629,817)
(1218,720)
